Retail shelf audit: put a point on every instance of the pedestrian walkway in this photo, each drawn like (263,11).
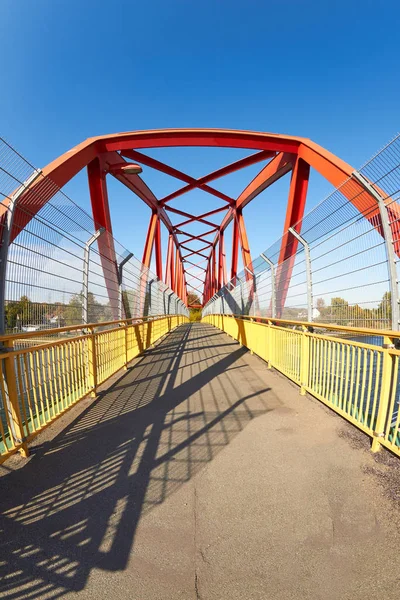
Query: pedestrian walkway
(199,474)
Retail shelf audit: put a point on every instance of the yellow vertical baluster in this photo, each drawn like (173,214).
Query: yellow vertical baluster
(28,391)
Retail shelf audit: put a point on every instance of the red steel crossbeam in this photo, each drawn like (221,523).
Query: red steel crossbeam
(227,170)
(198,237)
(193,266)
(185,256)
(195,251)
(191,276)
(274,170)
(192,218)
(160,166)
(197,288)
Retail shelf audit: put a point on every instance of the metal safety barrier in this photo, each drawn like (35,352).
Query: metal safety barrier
(358,380)
(45,373)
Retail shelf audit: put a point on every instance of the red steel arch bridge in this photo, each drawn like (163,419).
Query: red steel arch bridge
(123,155)
(184,464)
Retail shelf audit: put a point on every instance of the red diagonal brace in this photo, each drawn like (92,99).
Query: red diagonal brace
(240,164)
(159,166)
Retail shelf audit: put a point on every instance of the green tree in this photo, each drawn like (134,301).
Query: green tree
(339,310)
(73,310)
(193,298)
(194,313)
(18,312)
(97,312)
(321,307)
(385,306)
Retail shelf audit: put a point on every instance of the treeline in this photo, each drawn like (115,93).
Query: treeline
(23,312)
(341,312)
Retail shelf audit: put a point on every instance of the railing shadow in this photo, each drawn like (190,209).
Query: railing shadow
(76,505)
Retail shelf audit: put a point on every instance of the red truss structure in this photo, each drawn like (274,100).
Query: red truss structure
(113,155)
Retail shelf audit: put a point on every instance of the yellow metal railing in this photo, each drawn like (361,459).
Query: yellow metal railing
(38,383)
(358,380)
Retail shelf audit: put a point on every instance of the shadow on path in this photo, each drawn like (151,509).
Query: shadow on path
(76,505)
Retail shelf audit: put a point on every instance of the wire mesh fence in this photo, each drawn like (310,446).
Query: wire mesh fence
(54,268)
(351,240)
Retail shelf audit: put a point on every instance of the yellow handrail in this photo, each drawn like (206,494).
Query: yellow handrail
(317,325)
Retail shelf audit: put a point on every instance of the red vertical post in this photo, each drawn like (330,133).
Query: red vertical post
(235,246)
(178,273)
(182,279)
(294,213)
(102,218)
(181,284)
(158,249)
(219,262)
(176,288)
(210,292)
(207,284)
(244,242)
(214,270)
(223,254)
(172,269)
(148,246)
(168,265)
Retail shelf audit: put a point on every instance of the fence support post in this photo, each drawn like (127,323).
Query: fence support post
(120,274)
(387,374)
(241,297)
(308,272)
(273,286)
(86,257)
(254,299)
(390,253)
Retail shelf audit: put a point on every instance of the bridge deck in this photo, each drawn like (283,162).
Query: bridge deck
(199,474)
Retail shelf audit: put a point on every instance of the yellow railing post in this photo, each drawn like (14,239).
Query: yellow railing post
(252,336)
(12,401)
(304,360)
(126,326)
(92,363)
(386,386)
(269,344)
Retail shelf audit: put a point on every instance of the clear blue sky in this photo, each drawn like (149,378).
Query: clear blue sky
(70,69)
